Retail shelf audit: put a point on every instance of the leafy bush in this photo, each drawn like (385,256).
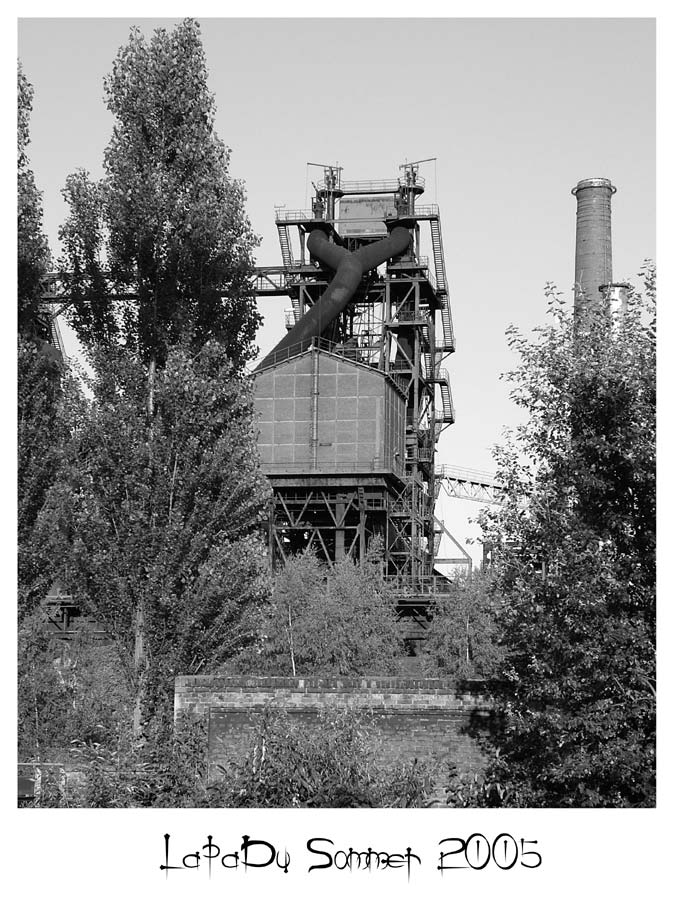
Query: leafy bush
(168,769)
(331,764)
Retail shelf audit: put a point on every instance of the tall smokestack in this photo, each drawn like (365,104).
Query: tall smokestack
(593,259)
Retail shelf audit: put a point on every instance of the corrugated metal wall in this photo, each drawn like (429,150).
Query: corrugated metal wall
(359,417)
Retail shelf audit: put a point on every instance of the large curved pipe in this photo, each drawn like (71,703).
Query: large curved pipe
(349,269)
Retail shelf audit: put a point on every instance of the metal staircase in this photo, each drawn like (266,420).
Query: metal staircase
(446,396)
(448,331)
(289,263)
(286,245)
(297,310)
(56,338)
(439,262)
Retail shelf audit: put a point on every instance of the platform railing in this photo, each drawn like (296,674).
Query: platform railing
(430,210)
(330,467)
(380,186)
(476,476)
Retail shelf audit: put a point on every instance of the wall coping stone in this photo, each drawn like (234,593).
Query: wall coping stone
(469,688)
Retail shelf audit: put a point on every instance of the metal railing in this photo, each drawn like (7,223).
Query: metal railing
(308,215)
(381,186)
(420,262)
(376,464)
(475,476)
(407,314)
(294,215)
(428,210)
(277,280)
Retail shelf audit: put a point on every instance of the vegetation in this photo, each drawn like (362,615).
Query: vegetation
(160,251)
(47,407)
(463,641)
(317,622)
(148,500)
(576,570)
(67,694)
(155,514)
(45,397)
(329,765)
(156,530)
(32,247)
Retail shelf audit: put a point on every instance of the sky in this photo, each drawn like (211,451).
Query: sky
(516,112)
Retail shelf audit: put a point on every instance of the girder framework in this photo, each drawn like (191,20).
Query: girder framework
(333,517)
(470,484)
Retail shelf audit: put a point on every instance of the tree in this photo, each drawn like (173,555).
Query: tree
(45,398)
(157,532)
(321,622)
(47,401)
(33,250)
(160,250)
(576,570)
(462,641)
(158,512)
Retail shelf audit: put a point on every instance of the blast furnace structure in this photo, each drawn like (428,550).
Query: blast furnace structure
(354,397)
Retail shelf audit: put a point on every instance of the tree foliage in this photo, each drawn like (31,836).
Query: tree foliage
(156,532)
(321,622)
(47,404)
(166,227)
(463,640)
(33,250)
(576,570)
(43,394)
(154,519)
(67,693)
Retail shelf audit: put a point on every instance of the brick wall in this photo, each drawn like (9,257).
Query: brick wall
(425,718)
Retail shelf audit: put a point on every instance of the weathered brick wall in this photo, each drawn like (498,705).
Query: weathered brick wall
(427,718)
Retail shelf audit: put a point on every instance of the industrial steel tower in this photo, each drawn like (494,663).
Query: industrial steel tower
(353,399)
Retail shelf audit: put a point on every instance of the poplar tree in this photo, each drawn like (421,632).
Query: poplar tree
(160,249)
(42,426)
(157,516)
(32,246)
(158,533)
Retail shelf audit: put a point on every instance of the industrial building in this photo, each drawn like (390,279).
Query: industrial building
(354,397)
